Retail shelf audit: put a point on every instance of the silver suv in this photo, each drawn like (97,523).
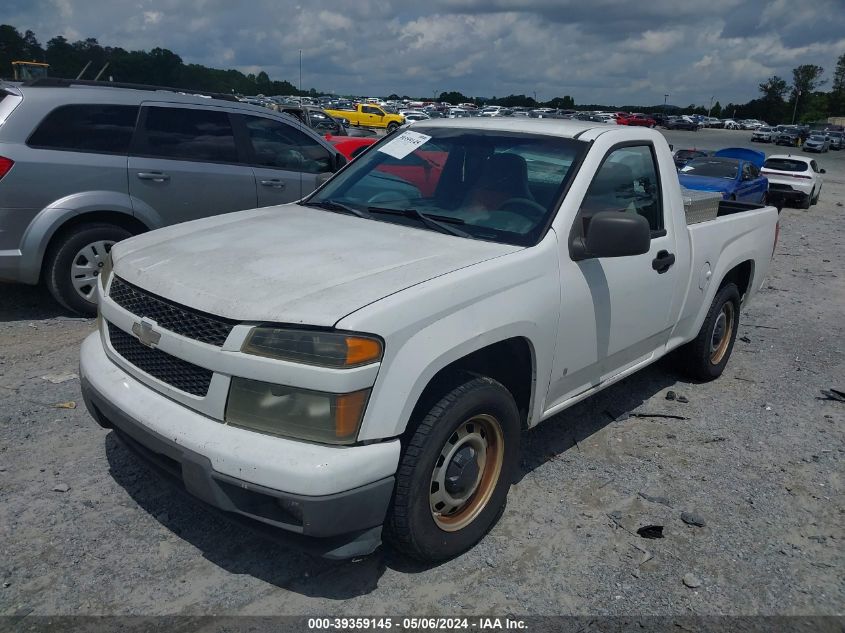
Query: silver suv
(85,164)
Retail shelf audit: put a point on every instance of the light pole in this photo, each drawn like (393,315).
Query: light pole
(665,97)
(795,109)
(710,109)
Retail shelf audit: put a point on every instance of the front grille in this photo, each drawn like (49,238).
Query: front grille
(169,315)
(174,371)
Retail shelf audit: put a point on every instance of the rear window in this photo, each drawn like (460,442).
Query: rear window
(712,168)
(87,128)
(785,164)
(188,134)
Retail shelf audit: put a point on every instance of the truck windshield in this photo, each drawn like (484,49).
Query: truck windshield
(491,185)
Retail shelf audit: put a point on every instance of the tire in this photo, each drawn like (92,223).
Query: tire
(391,127)
(701,358)
(477,410)
(806,202)
(83,244)
(818,195)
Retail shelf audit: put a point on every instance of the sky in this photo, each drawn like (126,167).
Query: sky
(598,51)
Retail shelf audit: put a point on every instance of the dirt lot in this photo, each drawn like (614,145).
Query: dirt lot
(758,456)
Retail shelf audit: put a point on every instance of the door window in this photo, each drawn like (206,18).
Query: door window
(87,128)
(188,134)
(627,182)
(279,145)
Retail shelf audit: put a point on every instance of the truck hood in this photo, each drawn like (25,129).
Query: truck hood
(289,263)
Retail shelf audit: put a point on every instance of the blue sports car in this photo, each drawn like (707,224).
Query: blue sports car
(734,172)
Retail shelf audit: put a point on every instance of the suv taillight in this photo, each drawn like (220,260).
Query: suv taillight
(5,166)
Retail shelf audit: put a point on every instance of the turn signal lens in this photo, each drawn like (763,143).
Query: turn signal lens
(313,347)
(360,351)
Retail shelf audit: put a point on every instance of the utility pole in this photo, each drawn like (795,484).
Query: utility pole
(795,109)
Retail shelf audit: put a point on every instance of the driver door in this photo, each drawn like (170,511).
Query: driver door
(616,312)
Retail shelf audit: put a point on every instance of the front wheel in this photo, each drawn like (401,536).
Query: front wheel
(455,472)
(72,267)
(705,357)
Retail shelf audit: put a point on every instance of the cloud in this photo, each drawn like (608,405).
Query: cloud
(603,51)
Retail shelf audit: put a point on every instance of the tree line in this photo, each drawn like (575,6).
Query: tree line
(159,66)
(803,99)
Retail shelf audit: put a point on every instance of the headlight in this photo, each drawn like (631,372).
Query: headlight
(313,347)
(105,271)
(327,418)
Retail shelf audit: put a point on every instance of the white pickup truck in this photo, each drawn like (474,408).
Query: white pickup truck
(360,365)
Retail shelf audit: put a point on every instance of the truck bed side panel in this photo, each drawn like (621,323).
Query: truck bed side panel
(718,246)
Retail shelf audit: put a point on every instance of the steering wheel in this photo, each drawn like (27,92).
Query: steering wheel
(506,221)
(397,200)
(524,207)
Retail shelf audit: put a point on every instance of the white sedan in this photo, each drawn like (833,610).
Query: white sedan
(795,179)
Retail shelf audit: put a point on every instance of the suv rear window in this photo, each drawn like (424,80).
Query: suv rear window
(785,164)
(87,128)
(188,134)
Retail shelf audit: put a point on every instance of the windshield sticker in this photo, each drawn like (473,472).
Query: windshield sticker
(404,144)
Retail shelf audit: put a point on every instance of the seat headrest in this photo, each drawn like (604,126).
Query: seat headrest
(613,178)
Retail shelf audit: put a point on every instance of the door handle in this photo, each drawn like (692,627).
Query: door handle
(273,182)
(663,262)
(156,176)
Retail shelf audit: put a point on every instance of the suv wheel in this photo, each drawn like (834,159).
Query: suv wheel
(392,126)
(456,470)
(72,267)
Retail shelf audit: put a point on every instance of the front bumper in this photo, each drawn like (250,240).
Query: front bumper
(343,524)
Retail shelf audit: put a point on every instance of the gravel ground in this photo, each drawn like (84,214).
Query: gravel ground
(757,458)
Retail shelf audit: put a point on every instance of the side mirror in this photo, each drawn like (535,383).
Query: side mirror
(338,162)
(822,171)
(613,234)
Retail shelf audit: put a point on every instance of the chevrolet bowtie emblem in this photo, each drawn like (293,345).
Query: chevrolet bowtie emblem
(145,332)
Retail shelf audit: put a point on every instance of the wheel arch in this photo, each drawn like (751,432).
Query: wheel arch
(741,275)
(510,361)
(117,218)
(55,219)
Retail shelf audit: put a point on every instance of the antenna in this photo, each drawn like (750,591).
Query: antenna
(301,105)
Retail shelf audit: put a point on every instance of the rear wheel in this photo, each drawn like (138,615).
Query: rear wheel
(455,472)
(392,126)
(807,201)
(706,356)
(72,266)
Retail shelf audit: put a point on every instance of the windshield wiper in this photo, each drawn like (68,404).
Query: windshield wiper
(334,205)
(435,222)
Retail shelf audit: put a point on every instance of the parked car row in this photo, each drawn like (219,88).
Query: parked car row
(746,175)
(800,136)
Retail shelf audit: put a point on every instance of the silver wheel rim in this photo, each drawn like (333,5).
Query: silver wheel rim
(86,266)
(722,333)
(453,510)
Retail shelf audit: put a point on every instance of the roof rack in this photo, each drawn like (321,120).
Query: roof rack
(57,82)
